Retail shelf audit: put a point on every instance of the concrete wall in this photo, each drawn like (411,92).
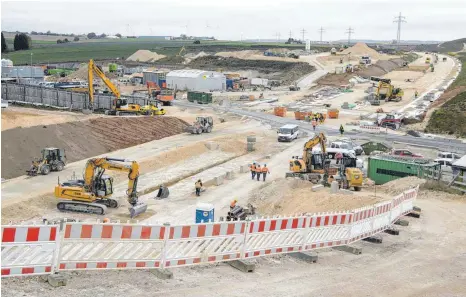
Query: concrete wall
(59,98)
(199,83)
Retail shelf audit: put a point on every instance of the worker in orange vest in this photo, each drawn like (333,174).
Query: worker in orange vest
(265,170)
(233,204)
(253,170)
(258,172)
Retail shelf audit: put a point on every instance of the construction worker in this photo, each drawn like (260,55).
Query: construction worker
(314,124)
(253,170)
(233,204)
(330,179)
(198,186)
(338,156)
(258,172)
(342,130)
(416,94)
(265,170)
(106,220)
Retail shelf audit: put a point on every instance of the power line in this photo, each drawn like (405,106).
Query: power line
(303,32)
(349,31)
(321,30)
(399,19)
(291,34)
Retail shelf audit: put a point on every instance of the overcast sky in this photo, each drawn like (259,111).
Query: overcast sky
(231,19)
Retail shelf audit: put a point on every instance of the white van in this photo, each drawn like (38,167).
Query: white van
(288,132)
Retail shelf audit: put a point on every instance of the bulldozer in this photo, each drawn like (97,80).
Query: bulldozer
(349,175)
(52,159)
(201,125)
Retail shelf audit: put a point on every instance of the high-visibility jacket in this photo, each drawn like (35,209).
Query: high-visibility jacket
(253,167)
(198,185)
(258,169)
(233,204)
(265,170)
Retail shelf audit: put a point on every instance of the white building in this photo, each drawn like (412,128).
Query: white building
(196,80)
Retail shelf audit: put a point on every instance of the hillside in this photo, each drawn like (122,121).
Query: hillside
(444,47)
(450,118)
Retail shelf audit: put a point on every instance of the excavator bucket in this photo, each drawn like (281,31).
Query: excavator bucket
(137,209)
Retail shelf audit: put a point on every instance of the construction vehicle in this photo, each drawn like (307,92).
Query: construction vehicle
(391,120)
(183,49)
(312,164)
(52,159)
(295,87)
(152,109)
(239,213)
(163,96)
(349,175)
(428,60)
(119,106)
(386,91)
(201,125)
(93,193)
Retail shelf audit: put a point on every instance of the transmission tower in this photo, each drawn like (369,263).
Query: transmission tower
(278,36)
(349,31)
(321,30)
(399,19)
(291,34)
(303,31)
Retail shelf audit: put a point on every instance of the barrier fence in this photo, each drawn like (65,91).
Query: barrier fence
(46,249)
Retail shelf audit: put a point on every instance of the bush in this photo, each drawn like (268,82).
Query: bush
(76,38)
(91,35)
(4,46)
(21,42)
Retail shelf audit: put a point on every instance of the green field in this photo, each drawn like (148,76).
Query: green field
(108,49)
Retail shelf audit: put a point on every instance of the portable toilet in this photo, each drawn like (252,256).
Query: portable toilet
(204,213)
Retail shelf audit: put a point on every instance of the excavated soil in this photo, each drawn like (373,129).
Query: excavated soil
(289,197)
(81,139)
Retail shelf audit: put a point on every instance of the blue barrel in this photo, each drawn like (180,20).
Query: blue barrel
(204,213)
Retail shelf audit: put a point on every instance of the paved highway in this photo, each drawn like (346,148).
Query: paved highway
(443,144)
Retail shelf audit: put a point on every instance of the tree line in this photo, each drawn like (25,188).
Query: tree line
(21,42)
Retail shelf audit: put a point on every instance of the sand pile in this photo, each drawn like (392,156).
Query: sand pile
(397,186)
(361,49)
(80,74)
(287,197)
(247,54)
(145,56)
(81,139)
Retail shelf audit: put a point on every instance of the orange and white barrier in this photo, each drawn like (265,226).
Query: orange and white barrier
(370,129)
(32,250)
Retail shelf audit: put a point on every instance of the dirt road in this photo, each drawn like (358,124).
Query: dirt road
(426,259)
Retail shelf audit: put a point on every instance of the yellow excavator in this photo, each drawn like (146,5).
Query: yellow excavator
(312,165)
(119,106)
(93,193)
(386,91)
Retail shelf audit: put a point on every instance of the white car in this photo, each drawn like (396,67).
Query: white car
(339,147)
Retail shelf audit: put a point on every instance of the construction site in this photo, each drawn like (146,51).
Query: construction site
(174,174)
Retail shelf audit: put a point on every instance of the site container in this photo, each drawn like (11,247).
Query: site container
(200,97)
(333,113)
(280,111)
(385,168)
(229,83)
(112,67)
(301,115)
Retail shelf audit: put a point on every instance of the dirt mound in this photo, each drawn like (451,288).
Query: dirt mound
(288,197)
(397,186)
(145,56)
(80,74)
(82,139)
(247,54)
(361,49)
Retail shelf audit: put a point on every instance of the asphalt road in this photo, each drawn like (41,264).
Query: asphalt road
(443,144)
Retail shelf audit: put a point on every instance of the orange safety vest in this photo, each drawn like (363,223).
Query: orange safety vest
(258,169)
(233,204)
(265,170)
(253,167)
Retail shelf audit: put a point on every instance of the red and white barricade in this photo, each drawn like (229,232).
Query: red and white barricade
(110,246)
(396,207)
(274,236)
(28,250)
(382,216)
(328,229)
(362,225)
(370,129)
(204,243)
(408,201)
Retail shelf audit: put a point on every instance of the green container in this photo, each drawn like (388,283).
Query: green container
(371,146)
(112,67)
(385,168)
(200,97)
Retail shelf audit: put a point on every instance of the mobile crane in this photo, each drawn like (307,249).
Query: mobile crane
(119,106)
(93,193)
(311,165)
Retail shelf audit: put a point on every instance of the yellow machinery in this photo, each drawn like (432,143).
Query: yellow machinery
(119,106)
(152,109)
(350,175)
(386,91)
(183,49)
(312,165)
(427,60)
(92,195)
(52,159)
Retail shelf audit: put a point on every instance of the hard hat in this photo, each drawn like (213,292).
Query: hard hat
(106,220)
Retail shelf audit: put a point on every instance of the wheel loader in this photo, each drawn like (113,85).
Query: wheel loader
(52,159)
(202,125)
(349,175)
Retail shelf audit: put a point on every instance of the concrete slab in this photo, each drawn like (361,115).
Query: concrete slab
(230,175)
(345,192)
(57,280)
(374,239)
(243,265)
(414,215)
(349,249)
(219,180)
(305,256)
(417,209)
(402,223)
(392,231)
(212,145)
(317,188)
(244,169)
(162,273)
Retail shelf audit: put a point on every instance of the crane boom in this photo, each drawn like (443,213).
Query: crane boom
(92,68)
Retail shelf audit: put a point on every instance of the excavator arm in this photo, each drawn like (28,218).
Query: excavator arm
(92,68)
(318,139)
(113,164)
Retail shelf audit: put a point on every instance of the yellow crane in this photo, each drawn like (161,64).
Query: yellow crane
(119,106)
(93,193)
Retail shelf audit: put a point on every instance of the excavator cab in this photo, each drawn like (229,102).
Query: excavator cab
(103,186)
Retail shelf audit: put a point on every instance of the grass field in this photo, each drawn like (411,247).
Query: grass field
(110,49)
